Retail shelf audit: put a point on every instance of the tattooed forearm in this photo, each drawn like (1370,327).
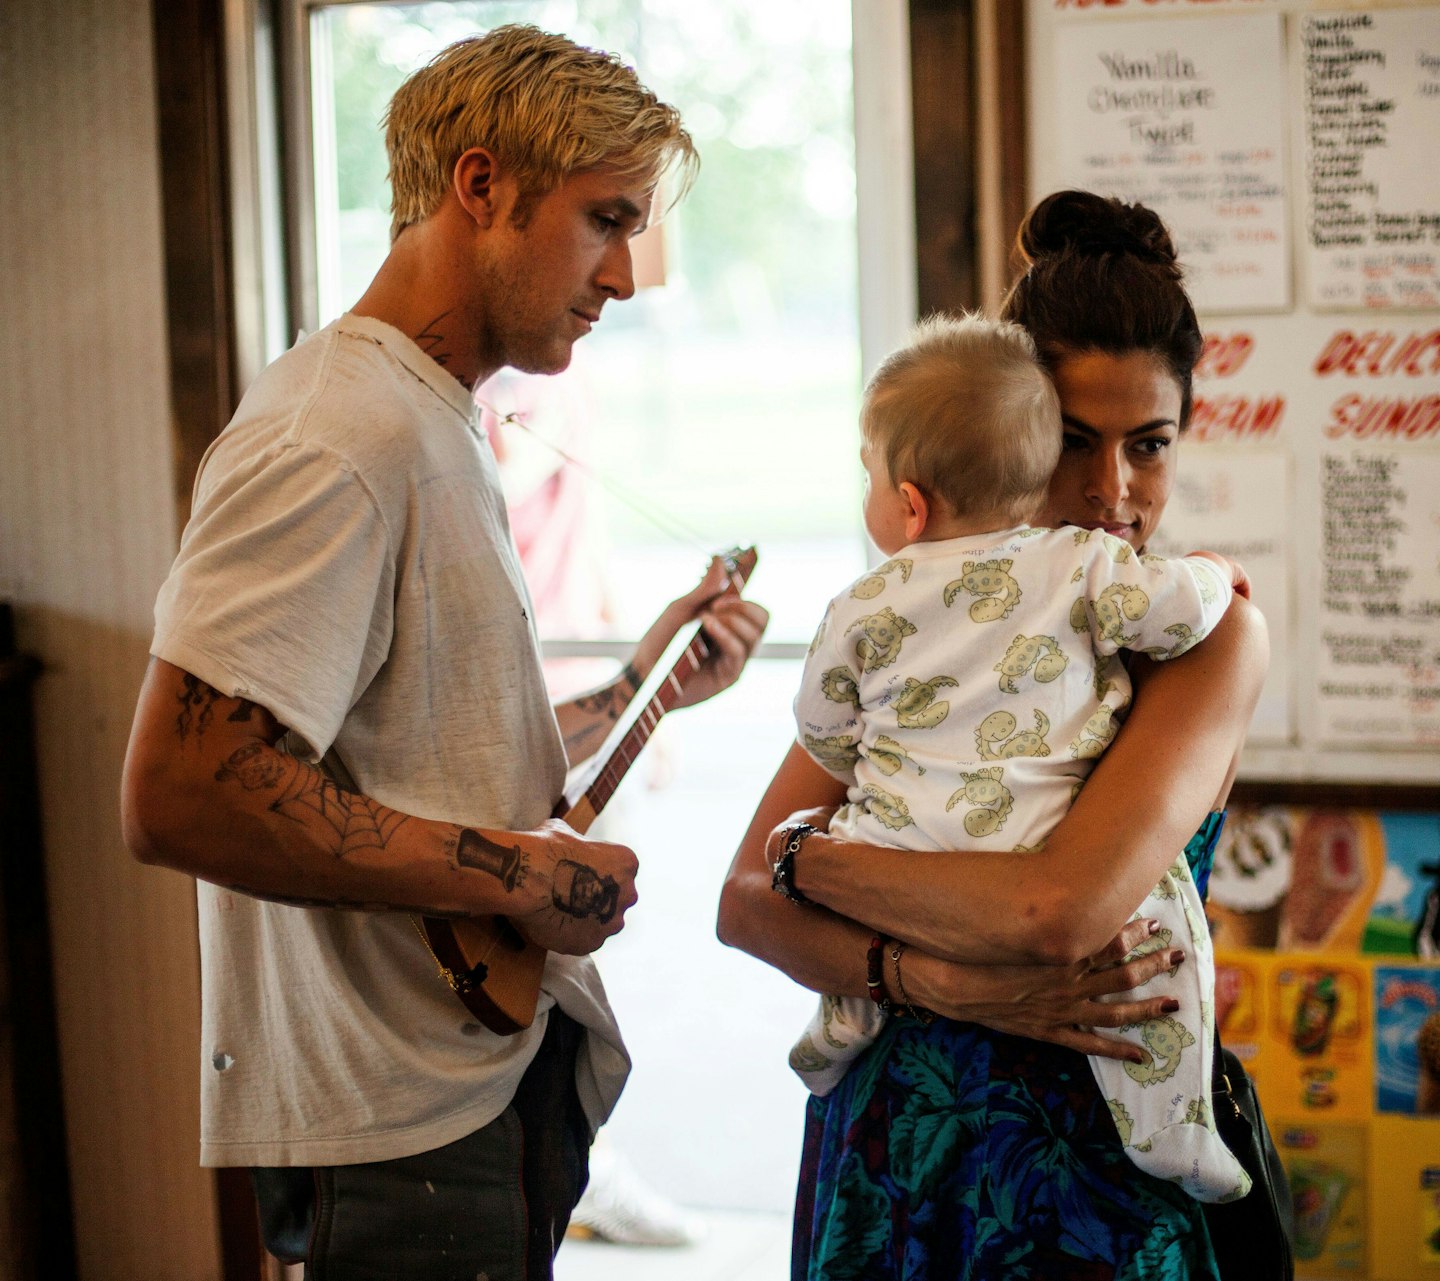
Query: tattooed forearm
(356,822)
(506,863)
(577,891)
(597,710)
(355,905)
(197,707)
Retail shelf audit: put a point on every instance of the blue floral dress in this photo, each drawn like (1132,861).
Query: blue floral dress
(954,1153)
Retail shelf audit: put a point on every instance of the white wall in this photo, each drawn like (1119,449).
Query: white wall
(87,530)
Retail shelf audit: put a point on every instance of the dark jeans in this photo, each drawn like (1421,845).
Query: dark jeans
(493,1204)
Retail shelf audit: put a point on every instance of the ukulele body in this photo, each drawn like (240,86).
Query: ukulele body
(487,962)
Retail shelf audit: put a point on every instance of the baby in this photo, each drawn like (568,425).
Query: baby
(964,689)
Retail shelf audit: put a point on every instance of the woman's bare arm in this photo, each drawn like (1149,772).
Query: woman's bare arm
(1058,906)
(827,953)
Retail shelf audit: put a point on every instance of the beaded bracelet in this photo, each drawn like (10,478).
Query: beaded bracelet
(875,972)
(922,1014)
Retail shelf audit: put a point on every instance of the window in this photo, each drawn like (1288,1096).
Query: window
(722,398)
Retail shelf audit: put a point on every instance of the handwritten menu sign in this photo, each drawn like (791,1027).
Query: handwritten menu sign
(1371,101)
(1379,668)
(1187,117)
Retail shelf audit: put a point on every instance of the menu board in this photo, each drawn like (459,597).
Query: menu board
(1187,118)
(1313,453)
(1371,107)
(1379,670)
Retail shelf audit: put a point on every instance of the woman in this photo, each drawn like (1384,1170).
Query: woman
(977,1145)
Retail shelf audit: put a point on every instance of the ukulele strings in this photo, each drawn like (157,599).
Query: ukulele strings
(666,522)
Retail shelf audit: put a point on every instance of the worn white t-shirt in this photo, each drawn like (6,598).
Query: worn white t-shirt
(348,566)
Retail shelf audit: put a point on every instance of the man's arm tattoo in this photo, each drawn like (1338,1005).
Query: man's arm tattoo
(508,864)
(577,891)
(197,707)
(358,822)
(604,704)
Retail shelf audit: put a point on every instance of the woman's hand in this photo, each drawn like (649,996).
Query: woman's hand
(1057,1003)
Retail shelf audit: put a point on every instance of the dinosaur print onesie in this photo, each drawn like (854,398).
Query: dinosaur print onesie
(963,691)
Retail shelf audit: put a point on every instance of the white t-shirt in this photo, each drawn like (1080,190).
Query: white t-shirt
(968,685)
(348,566)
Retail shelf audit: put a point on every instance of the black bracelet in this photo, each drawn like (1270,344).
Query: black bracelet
(782,879)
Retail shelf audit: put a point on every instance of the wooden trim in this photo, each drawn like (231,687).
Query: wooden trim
(199,305)
(942,71)
(190,94)
(1010,54)
(1334,796)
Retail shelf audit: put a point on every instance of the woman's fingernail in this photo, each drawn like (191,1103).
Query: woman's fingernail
(1139,1056)
(1177,956)
(1169,1006)
(1153,927)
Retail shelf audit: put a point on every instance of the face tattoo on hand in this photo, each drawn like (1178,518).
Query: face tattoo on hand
(577,891)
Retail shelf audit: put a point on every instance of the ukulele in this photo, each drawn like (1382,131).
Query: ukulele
(486,961)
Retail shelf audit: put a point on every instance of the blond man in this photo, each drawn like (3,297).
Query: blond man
(344,721)
(964,689)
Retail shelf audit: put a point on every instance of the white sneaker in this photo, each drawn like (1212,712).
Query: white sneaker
(617,1206)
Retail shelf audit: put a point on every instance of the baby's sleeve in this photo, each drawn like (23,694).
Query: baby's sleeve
(1172,606)
(827,705)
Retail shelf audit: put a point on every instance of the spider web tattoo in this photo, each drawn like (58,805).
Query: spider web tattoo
(358,822)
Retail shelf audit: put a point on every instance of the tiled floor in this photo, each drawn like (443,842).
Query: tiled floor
(738,1246)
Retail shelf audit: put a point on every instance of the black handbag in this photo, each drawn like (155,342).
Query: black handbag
(1254,1237)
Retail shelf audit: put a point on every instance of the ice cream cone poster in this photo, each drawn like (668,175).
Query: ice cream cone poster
(1337,864)
(1407,1039)
(1251,876)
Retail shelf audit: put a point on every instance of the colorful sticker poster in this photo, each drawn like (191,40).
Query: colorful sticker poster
(1407,1040)
(1240,987)
(1377,677)
(1237,501)
(1326,1164)
(1186,116)
(1404,1188)
(1318,1059)
(1370,82)
(1251,876)
(1405,915)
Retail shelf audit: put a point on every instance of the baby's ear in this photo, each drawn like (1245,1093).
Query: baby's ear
(918,515)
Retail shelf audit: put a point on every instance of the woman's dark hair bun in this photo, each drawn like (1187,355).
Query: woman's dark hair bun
(1083,223)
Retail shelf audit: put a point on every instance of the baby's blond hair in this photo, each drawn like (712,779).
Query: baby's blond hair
(545,106)
(965,412)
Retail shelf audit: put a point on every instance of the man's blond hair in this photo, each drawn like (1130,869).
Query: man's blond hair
(545,106)
(965,412)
